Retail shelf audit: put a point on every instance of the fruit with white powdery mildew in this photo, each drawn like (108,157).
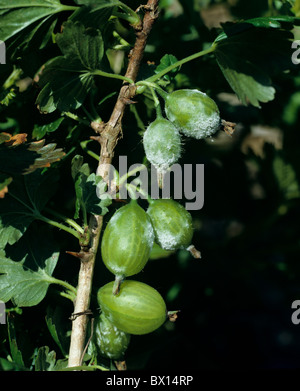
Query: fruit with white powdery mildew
(110,342)
(172,225)
(194,113)
(162,144)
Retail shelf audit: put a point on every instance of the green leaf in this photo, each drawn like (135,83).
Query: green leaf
(17,15)
(88,188)
(26,278)
(39,131)
(16,354)
(251,52)
(165,62)
(286,178)
(54,324)
(45,360)
(66,80)
(296,8)
(94,14)
(80,44)
(5,180)
(26,198)
(6,365)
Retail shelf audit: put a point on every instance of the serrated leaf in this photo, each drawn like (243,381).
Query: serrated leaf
(26,275)
(76,165)
(66,80)
(250,52)
(26,198)
(9,140)
(90,198)
(18,15)
(87,187)
(84,45)
(18,157)
(7,96)
(94,14)
(45,360)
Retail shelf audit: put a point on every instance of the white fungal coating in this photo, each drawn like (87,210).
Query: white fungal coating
(162,144)
(172,224)
(169,240)
(193,112)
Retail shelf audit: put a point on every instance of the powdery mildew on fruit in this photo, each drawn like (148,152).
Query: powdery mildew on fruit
(199,124)
(162,144)
(168,240)
(172,224)
(111,341)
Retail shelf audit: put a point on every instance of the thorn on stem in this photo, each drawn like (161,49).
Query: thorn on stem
(83,256)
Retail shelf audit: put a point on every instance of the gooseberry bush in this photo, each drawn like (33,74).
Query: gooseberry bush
(81,79)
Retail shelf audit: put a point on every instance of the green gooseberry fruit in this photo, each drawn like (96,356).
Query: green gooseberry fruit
(162,144)
(172,224)
(110,342)
(193,112)
(158,253)
(137,308)
(127,240)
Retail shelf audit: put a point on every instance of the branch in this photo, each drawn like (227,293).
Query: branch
(109,134)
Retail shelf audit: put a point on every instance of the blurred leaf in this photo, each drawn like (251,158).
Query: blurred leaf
(5,180)
(295,7)
(16,354)
(9,140)
(66,80)
(39,131)
(53,320)
(26,198)
(26,278)
(45,360)
(286,178)
(246,64)
(6,96)
(18,157)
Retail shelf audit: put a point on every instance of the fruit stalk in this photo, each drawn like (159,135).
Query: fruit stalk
(110,134)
